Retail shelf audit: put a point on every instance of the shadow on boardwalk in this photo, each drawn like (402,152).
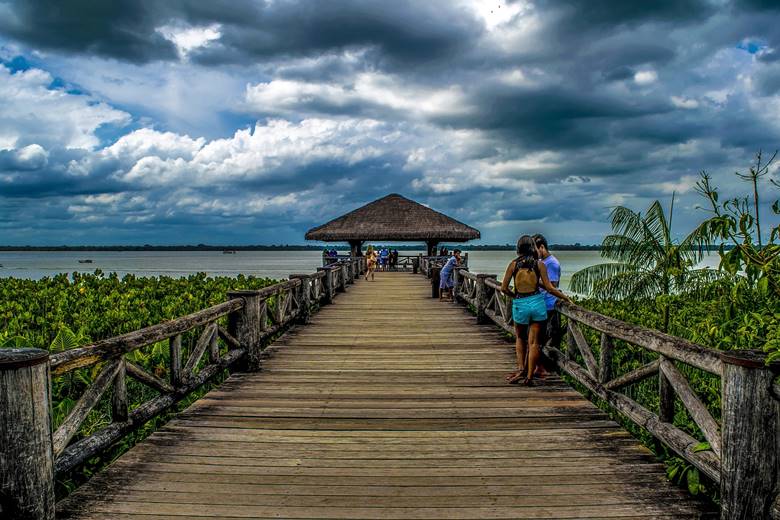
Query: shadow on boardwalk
(388,405)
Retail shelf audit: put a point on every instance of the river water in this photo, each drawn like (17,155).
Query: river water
(270,264)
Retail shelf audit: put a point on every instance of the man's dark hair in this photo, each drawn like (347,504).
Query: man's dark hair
(456,251)
(541,241)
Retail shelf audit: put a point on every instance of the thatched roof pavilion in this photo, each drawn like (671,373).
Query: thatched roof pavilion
(393,219)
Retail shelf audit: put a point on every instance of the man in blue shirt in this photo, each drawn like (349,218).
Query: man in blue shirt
(552,332)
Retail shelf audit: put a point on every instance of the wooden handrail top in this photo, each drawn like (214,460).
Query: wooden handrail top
(110,348)
(493,283)
(665,344)
(467,274)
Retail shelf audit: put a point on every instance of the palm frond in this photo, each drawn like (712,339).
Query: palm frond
(585,280)
(657,225)
(627,250)
(627,223)
(695,245)
(629,285)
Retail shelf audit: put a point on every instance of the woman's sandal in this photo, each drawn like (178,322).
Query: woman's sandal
(528,382)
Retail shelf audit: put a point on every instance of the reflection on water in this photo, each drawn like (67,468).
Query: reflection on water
(270,264)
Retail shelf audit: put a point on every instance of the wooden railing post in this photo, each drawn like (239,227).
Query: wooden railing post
(435,279)
(665,397)
(482,298)
(26,455)
(327,285)
(305,307)
(341,273)
(247,324)
(750,434)
(456,282)
(349,270)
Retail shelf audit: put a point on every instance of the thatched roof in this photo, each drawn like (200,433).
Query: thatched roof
(393,218)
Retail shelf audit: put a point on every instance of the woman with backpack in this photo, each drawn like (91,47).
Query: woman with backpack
(527,274)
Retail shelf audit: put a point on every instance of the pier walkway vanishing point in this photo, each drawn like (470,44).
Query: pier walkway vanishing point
(387,405)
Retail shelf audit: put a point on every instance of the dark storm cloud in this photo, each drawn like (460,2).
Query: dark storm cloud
(550,116)
(405,31)
(600,14)
(122,29)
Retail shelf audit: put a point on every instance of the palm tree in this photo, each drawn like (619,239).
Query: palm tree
(645,261)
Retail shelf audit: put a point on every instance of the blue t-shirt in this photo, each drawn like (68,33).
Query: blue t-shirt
(554,274)
(449,266)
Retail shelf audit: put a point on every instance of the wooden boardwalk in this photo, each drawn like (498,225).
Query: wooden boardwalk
(388,405)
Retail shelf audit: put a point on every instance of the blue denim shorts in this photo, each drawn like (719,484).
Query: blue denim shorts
(529,309)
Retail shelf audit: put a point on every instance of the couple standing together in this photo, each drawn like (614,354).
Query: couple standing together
(534,276)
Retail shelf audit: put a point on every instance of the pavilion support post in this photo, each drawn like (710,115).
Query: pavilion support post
(483,296)
(750,464)
(356,248)
(431,245)
(26,456)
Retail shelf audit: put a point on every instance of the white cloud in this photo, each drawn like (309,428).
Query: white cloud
(31,112)
(187,39)
(145,141)
(366,90)
(645,77)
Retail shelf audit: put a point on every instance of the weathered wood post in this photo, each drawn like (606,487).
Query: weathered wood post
(341,278)
(327,285)
(750,433)
(26,456)
(665,397)
(305,302)
(435,278)
(456,282)
(247,325)
(482,298)
(350,271)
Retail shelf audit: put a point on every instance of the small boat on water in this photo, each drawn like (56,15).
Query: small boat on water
(229,252)
(87,261)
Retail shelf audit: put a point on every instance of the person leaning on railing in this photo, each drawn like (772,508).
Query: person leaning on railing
(446,279)
(527,273)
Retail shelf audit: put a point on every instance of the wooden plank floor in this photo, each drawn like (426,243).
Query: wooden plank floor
(389,405)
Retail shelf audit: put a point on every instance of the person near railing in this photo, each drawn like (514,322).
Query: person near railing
(551,332)
(527,273)
(384,255)
(446,278)
(370,262)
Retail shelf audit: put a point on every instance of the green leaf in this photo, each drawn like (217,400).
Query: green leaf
(702,446)
(694,486)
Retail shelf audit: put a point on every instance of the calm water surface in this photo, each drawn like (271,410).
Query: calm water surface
(270,264)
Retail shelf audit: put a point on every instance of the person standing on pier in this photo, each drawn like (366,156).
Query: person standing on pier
(527,273)
(370,262)
(446,278)
(551,330)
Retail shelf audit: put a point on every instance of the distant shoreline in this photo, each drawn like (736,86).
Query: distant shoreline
(204,247)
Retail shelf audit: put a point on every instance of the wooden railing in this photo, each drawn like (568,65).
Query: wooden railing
(743,451)
(229,335)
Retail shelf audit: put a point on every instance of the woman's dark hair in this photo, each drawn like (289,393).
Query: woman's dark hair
(527,255)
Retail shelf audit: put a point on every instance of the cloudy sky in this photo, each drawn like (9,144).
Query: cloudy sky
(186,121)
